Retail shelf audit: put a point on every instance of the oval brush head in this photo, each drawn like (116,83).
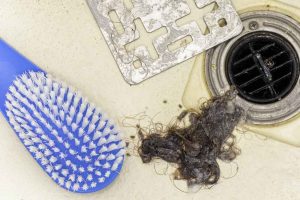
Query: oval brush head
(71,139)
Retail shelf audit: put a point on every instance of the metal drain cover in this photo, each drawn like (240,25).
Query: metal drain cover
(263,64)
(223,23)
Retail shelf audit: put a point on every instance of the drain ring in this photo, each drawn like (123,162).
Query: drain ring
(273,110)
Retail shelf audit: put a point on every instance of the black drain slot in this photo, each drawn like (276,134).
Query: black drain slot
(263,66)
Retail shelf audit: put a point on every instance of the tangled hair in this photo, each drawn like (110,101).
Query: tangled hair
(196,147)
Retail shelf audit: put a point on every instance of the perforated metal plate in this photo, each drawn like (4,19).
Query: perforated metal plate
(223,23)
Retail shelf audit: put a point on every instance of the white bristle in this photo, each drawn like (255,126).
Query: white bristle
(67,145)
(51,143)
(69,96)
(95,119)
(76,187)
(71,138)
(102,141)
(44,161)
(61,181)
(103,149)
(39,155)
(36,140)
(68,163)
(101,180)
(107,174)
(89,111)
(89,177)
(59,101)
(55,175)
(117,163)
(90,168)
(45,137)
(106,131)
(49,168)
(106,165)
(53,159)
(55,149)
(65,106)
(72,177)
(79,117)
(33,149)
(97,163)
(86,139)
(111,157)
(62,115)
(72,152)
(62,92)
(60,139)
(62,155)
(46,90)
(74,127)
(97,135)
(101,124)
(112,147)
(85,122)
(114,167)
(98,173)
(28,142)
(68,184)
(82,107)
(52,96)
(119,160)
(102,157)
(87,159)
(47,152)
(74,167)
(84,149)
(92,145)
(72,112)
(55,111)
(65,130)
(77,142)
(93,184)
(76,100)
(58,123)
(121,153)
(94,153)
(55,88)
(58,167)
(85,187)
(81,169)
(79,157)
(121,145)
(91,128)
(112,138)
(80,132)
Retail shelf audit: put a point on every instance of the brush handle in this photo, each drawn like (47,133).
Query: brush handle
(12,64)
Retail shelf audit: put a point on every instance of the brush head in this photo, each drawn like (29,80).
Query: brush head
(71,139)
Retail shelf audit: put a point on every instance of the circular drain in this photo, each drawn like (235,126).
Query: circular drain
(263,64)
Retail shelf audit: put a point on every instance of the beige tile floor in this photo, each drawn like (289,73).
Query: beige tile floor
(61,36)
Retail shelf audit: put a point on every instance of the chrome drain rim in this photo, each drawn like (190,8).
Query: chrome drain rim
(215,65)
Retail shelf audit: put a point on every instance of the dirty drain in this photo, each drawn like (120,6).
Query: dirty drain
(196,141)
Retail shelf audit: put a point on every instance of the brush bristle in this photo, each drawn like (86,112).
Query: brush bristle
(72,140)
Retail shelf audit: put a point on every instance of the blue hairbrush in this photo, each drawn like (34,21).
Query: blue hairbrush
(71,139)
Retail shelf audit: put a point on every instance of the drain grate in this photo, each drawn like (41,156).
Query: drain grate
(263,66)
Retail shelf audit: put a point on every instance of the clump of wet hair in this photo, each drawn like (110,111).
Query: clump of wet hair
(195,147)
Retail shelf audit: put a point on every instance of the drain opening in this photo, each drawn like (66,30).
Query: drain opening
(263,66)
